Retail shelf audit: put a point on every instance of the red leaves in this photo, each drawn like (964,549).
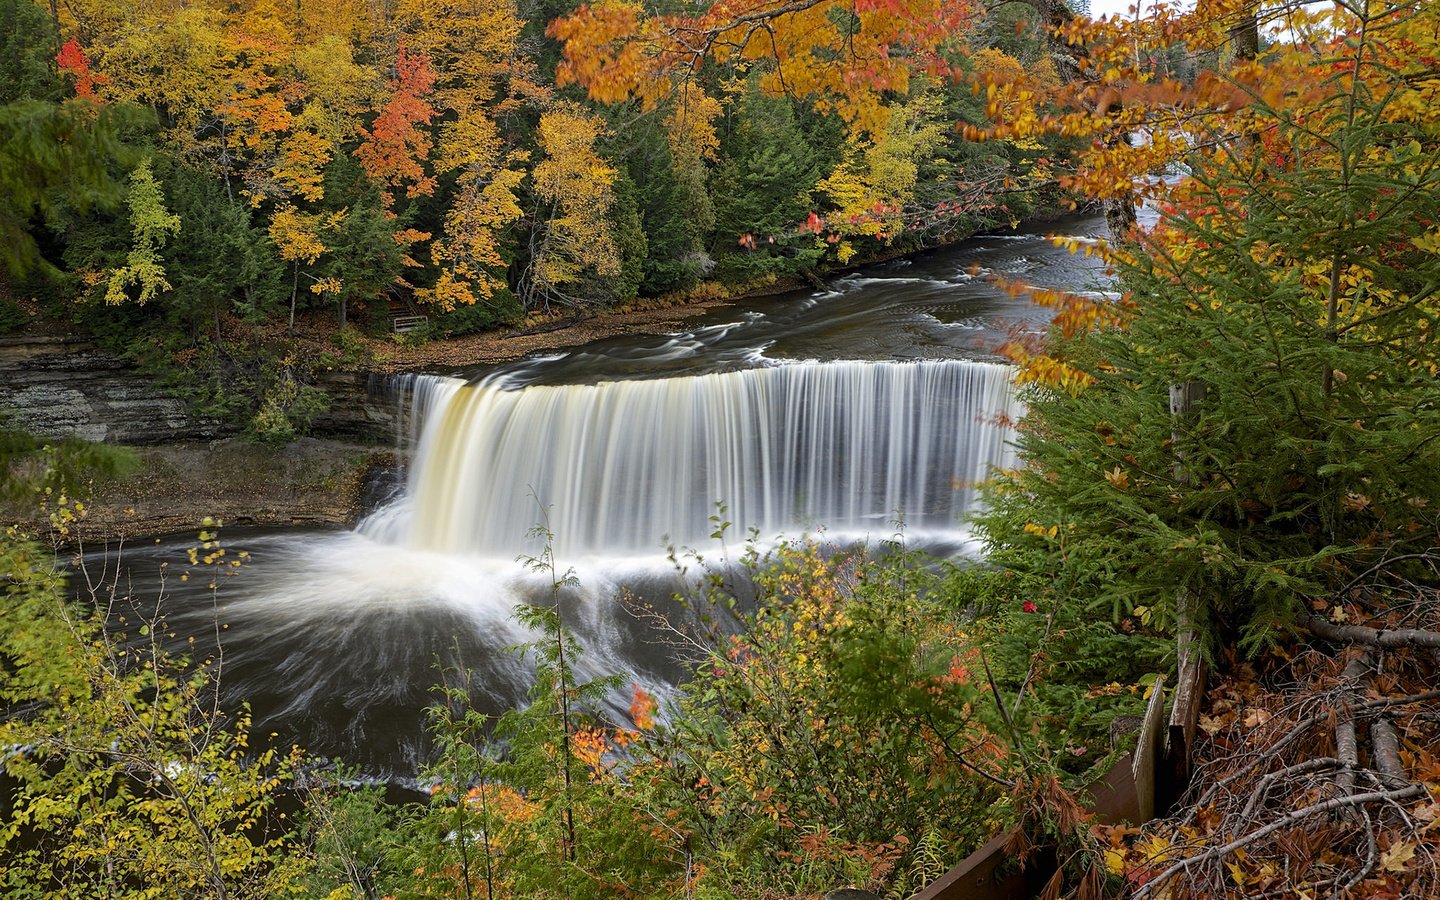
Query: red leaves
(1029,606)
(396,146)
(73,62)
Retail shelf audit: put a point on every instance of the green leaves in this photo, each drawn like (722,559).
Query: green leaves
(151,226)
(1288,281)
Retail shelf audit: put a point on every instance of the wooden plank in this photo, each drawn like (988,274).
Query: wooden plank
(1149,750)
(1190,693)
(404,324)
(991,874)
(1113,798)
(1174,776)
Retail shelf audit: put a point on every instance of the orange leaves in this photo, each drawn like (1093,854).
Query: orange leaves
(844,56)
(589,746)
(604,51)
(395,148)
(504,801)
(1075,314)
(642,709)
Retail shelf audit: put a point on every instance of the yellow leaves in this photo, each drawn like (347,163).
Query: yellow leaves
(1041,530)
(1398,857)
(338,88)
(1428,242)
(577,184)
(1042,368)
(995,66)
(297,235)
(299,168)
(484,205)
(690,126)
(1118,478)
(875,182)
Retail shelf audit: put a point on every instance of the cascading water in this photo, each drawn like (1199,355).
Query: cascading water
(335,637)
(621,466)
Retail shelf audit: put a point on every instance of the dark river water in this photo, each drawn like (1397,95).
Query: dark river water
(832,412)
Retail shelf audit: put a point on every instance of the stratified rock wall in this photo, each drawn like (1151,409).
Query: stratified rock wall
(362,407)
(62,387)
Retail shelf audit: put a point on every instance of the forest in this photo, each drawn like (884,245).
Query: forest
(1216,490)
(185,179)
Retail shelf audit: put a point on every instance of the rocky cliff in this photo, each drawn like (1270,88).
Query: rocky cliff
(65,387)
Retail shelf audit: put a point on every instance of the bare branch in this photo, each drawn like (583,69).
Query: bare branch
(1377,637)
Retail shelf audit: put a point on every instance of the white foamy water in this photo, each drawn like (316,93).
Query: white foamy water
(616,468)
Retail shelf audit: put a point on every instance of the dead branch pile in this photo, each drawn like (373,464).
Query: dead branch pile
(1317,776)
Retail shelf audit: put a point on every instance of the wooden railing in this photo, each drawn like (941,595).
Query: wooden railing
(1138,787)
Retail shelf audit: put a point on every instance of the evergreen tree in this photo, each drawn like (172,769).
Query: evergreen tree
(1296,283)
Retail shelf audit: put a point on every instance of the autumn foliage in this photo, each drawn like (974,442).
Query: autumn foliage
(393,149)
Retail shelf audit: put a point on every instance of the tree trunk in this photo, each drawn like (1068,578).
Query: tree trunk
(1245,37)
(1120,218)
(294,289)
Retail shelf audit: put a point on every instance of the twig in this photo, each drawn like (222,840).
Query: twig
(1372,853)
(1325,806)
(1309,765)
(960,757)
(1302,727)
(1005,713)
(1382,564)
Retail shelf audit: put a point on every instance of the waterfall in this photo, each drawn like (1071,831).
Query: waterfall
(622,466)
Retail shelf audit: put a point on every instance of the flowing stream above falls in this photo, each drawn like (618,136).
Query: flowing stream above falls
(880,399)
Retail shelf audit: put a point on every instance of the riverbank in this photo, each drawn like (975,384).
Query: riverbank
(647,315)
(508,344)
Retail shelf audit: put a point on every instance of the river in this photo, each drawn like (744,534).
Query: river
(840,412)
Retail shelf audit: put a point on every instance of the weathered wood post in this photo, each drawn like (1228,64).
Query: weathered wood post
(1185,399)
